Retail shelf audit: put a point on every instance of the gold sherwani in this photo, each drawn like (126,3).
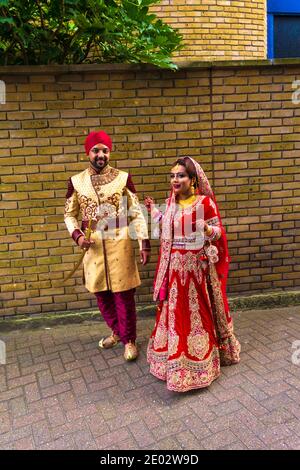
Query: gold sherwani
(110,263)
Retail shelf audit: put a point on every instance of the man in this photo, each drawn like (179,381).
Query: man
(106,198)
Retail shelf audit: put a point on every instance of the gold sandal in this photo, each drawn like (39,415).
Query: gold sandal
(109,341)
(131,351)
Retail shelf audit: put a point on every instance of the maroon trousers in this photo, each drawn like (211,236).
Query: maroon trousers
(118,310)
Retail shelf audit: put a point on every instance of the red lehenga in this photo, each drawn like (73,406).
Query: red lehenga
(193,334)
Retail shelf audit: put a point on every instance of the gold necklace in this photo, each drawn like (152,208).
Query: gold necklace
(187,202)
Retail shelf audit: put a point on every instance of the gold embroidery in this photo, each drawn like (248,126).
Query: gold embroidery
(185,263)
(107,175)
(166,242)
(67,205)
(209,302)
(161,334)
(213,221)
(228,344)
(183,374)
(88,207)
(165,252)
(223,327)
(230,350)
(198,339)
(173,338)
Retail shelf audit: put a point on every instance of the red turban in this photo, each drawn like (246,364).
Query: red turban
(95,138)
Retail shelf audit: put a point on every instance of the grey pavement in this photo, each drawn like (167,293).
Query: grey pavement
(59,391)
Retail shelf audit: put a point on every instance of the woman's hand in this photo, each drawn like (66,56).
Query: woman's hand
(149,202)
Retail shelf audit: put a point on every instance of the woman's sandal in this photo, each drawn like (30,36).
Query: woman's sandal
(109,341)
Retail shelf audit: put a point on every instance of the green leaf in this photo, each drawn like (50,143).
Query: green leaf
(78,31)
(6,20)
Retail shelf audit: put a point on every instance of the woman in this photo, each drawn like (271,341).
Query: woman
(193,333)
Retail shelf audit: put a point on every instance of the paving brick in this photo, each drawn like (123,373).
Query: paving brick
(17,382)
(79,386)
(99,397)
(112,439)
(101,402)
(278,417)
(12,371)
(279,445)
(18,407)
(141,434)
(98,425)
(275,433)
(84,440)
(28,419)
(219,440)
(55,389)
(26,443)
(41,432)
(128,444)
(81,412)
(102,384)
(5,423)
(14,392)
(169,443)
(197,427)
(56,416)
(63,443)
(227,408)
(188,441)
(15,434)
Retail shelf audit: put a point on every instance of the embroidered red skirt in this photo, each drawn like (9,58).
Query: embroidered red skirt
(184,349)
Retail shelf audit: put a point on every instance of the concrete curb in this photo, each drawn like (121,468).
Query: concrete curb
(253,302)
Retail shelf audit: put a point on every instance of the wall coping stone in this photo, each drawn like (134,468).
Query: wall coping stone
(84,68)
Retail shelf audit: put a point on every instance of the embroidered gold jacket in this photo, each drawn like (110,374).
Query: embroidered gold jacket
(109,200)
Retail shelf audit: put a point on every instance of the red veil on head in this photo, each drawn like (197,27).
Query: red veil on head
(222,266)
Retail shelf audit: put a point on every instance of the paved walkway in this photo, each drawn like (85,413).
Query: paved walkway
(58,391)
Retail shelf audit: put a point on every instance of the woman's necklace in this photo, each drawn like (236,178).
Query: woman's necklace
(188,201)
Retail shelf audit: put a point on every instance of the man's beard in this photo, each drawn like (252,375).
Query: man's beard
(99,163)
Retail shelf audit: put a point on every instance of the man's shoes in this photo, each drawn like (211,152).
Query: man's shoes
(131,352)
(109,341)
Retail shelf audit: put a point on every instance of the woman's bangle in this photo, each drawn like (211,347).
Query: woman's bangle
(209,231)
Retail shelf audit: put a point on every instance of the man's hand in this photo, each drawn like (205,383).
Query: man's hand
(84,243)
(145,256)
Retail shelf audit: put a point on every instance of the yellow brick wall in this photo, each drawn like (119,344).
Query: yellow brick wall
(217,29)
(240,124)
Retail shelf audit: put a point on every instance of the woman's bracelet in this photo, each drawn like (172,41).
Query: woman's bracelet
(208,231)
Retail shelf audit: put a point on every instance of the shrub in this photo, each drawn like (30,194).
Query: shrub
(84,31)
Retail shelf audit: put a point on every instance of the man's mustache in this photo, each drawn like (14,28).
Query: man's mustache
(102,159)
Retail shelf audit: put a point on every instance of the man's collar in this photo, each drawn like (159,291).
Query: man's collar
(105,171)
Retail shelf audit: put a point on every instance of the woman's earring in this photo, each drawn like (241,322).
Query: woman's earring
(193,186)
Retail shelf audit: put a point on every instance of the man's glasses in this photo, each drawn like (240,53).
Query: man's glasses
(95,150)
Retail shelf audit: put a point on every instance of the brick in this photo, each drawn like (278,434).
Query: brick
(248,160)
